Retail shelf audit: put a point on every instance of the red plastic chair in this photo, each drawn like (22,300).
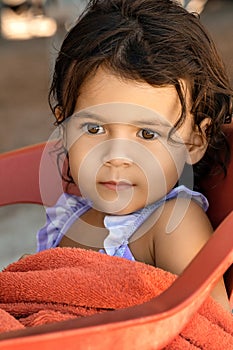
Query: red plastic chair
(219,191)
(25,180)
(150,325)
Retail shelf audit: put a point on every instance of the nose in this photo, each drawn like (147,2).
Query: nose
(117,153)
(118,162)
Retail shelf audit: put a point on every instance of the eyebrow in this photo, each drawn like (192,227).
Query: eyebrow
(100,118)
(88,115)
(152,122)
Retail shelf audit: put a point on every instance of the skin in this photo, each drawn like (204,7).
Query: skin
(123,164)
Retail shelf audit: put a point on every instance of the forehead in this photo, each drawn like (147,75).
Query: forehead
(105,87)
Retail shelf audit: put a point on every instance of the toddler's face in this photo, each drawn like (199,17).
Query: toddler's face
(120,152)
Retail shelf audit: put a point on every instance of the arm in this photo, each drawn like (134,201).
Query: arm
(175,250)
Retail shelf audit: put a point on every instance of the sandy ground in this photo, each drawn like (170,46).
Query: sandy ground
(25,117)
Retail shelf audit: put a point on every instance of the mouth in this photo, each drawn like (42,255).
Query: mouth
(117,186)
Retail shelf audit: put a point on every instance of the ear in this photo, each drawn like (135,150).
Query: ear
(199,142)
(62,130)
(58,113)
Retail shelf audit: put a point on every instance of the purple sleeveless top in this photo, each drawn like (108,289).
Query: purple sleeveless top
(121,227)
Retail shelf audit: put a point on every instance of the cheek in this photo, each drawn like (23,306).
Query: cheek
(76,156)
(166,169)
(84,166)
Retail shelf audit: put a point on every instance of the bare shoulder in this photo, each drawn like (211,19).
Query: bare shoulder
(180,212)
(162,237)
(180,232)
(177,241)
(177,233)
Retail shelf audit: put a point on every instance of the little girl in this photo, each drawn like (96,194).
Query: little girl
(141,97)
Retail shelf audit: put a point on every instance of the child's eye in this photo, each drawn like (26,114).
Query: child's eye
(148,134)
(93,129)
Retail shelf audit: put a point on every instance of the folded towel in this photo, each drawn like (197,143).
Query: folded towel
(64,283)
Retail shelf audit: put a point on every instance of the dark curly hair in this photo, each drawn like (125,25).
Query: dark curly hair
(157,42)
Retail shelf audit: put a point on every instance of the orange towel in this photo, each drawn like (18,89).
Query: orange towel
(64,283)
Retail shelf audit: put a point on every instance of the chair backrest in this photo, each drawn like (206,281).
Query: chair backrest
(219,189)
(19,173)
(30,175)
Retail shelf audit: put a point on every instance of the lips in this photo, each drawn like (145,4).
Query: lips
(117,186)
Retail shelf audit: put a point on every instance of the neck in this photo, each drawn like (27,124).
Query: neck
(94,217)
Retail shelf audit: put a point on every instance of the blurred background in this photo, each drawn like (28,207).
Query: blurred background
(31,32)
